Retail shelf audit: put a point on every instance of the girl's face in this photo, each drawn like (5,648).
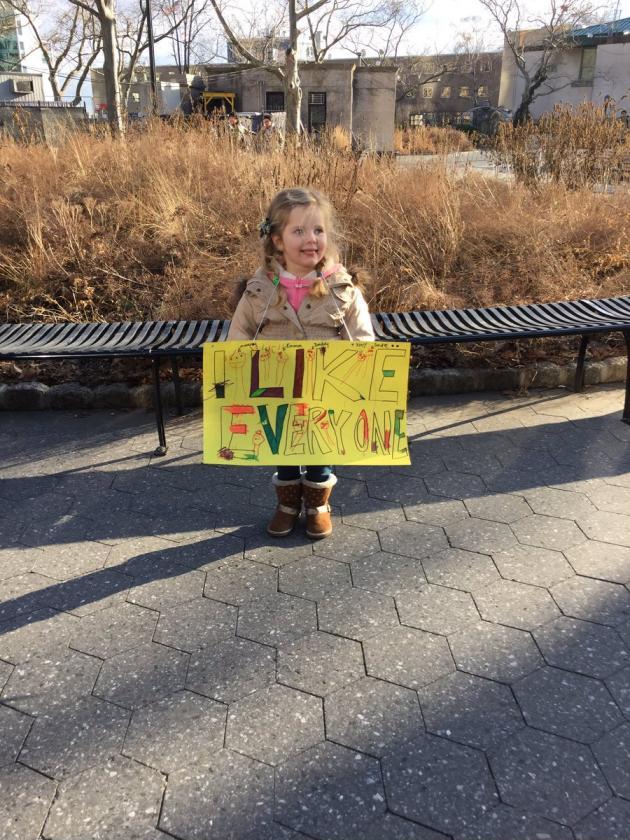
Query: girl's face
(303,240)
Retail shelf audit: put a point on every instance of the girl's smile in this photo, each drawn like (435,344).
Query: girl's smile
(303,240)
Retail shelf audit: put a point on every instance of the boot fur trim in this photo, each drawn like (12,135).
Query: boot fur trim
(278,483)
(319,485)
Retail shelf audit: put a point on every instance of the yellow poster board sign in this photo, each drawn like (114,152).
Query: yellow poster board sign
(305,402)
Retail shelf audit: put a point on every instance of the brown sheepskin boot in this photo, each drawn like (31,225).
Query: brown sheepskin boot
(287,513)
(316,496)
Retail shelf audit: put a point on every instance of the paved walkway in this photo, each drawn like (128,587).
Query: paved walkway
(453,662)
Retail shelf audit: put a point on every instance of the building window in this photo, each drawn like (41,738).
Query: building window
(446,92)
(274,100)
(415,120)
(587,64)
(316,111)
(135,97)
(464,91)
(482,90)
(427,91)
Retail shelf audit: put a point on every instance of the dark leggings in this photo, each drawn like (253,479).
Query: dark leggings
(292,473)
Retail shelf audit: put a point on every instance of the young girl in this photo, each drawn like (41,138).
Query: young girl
(301,292)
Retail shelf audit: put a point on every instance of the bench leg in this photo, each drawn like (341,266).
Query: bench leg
(178,385)
(578,386)
(157,404)
(626,407)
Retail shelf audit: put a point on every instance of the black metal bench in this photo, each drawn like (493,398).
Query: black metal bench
(159,340)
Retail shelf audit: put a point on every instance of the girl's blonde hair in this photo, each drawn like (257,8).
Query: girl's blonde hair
(278,216)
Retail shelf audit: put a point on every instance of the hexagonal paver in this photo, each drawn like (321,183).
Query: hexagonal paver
(320,663)
(613,754)
(261,549)
(240,581)
(114,630)
(619,687)
(22,594)
(346,543)
(50,681)
(607,527)
(516,604)
(413,539)
(176,731)
(231,799)
(455,485)
(141,675)
(456,786)
(537,566)
(372,716)
(314,577)
(69,739)
(504,821)
(25,800)
(329,791)
(231,669)
(499,508)
(593,600)
(400,488)
(480,535)
(496,652)
(610,821)
(437,609)
(119,798)
(459,569)
(276,619)
(274,724)
(387,573)
(471,710)
(562,503)
(407,657)
(171,584)
(548,532)
(36,633)
(394,827)
(581,646)
(196,624)
(5,672)
(436,510)
(88,593)
(67,561)
(549,776)
(603,561)
(612,499)
(372,514)
(356,613)
(571,705)
(14,727)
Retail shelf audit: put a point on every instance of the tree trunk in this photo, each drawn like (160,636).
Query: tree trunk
(521,115)
(293,94)
(107,20)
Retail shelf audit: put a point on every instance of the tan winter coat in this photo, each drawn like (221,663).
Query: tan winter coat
(317,318)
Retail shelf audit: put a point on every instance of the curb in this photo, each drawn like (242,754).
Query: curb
(35,396)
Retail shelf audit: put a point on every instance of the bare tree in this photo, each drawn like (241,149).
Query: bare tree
(67,41)
(189,22)
(329,23)
(104,14)
(544,36)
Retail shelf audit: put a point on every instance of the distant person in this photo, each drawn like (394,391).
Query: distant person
(236,130)
(610,108)
(269,135)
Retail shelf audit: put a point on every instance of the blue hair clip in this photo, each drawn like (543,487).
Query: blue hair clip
(264,228)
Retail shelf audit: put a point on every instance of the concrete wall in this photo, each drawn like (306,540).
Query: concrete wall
(7,93)
(49,125)
(374,108)
(611,78)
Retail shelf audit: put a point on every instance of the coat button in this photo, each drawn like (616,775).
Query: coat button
(285,307)
(308,305)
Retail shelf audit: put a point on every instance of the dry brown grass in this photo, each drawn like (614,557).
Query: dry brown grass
(161,226)
(577,147)
(430,140)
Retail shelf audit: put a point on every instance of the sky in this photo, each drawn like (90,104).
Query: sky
(436,33)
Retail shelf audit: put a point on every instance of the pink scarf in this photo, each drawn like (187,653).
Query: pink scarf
(297,288)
